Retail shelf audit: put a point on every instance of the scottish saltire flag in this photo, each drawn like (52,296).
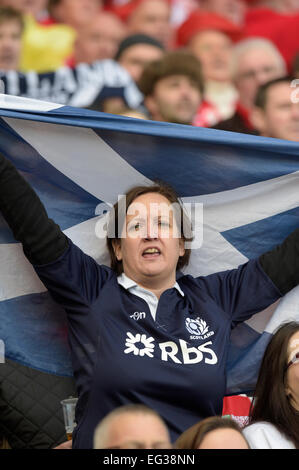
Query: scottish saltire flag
(79,161)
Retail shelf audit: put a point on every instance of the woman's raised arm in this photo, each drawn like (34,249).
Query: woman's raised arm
(282,263)
(42,239)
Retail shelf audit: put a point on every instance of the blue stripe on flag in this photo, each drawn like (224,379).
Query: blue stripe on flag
(194,160)
(66,202)
(197,167)
(244,359)
(34,330)
(250,239)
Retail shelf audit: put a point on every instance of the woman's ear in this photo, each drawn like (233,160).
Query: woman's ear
(182,247)
(117,249)
(257,117)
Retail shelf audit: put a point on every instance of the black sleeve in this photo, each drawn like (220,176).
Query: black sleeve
(282,263)
(43,241)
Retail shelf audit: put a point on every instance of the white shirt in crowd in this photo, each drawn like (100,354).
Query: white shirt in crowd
(263,435)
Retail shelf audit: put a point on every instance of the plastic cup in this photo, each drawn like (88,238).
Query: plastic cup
(69,407)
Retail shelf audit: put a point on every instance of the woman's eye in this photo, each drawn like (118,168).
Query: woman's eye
(134,227)
(163,223)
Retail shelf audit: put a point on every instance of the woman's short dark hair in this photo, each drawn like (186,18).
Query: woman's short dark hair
(115,225)
(193,436)
(271,402)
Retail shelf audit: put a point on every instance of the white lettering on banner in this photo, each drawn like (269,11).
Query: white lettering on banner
(295,93)
(170,350)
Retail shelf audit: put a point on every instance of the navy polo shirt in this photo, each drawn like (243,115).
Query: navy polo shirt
(174,364)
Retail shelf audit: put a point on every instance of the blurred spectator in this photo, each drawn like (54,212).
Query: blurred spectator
(136,51)
(151,17)
(99,39)
(212,433)
(44,49)
(275,411)
(181,9)
(255,61)
(283,6)
(11,29)
(132,113)
(276,112)
(75,13)
(210,38)
(172,87)
(295,66)
(36,8)
(132,427)
(233,10)
(277,21)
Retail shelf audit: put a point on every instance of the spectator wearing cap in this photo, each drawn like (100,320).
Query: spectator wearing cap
(150,17)
(276,20)
(136,51)
(172,87)
(255,61)
(233,10)
(210,38)
(97,40)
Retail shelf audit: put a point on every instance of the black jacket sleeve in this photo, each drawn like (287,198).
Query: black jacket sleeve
(282,263)
(43,241)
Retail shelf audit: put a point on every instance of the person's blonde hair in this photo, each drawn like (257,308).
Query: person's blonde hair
(101,430)
(257,43)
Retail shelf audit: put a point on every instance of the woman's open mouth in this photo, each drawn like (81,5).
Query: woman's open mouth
(151,253)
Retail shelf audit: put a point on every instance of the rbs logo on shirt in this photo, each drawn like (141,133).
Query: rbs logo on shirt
(141,345)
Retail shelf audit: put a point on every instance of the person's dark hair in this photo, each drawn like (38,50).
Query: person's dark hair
(52,4)
(135,39)
(193,436)
(10,14)
(271,402)
(172,63)
(262,92)
(295,66)
(115,225)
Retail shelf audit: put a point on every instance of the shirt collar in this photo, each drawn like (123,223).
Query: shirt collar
(128,283)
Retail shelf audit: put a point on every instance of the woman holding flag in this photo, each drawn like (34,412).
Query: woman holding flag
(140,331)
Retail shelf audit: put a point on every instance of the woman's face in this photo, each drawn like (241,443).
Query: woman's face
(150,245)
(292,377)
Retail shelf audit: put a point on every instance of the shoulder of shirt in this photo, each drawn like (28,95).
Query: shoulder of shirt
(263,435)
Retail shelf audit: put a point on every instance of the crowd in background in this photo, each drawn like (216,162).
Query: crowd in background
(197,62)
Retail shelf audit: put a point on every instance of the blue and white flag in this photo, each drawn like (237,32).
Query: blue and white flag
(79,161)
